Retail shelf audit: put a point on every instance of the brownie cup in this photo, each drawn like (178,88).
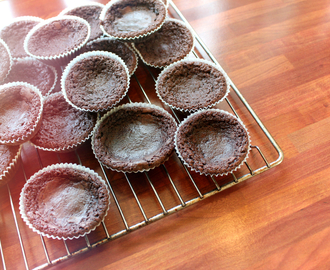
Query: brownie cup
(9,157)
(190,85)
(6,60)
(95,81)
(134,137)
(15,32)
(132,19)
(57,40)
(171,43)
(64,201)
(34,72)
(89,12)
(117,47)
(21,109)
(212,142)
(63,128)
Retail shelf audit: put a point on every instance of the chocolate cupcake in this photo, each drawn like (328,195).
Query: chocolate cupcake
(21,109)
(134,137)
(9,161)
(212,142)
(95,81)
(34,72)
(190,85)
(171,43)
(57,40)
(132,19)
(64,201)
(91,13)
(15,33)
(63,128)
(117,47)
(6,60)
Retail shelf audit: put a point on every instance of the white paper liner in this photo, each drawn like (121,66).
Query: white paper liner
(183,57)
(132,38)
(124,43)
(70,8)
(84,56)
(10,59)
(20,19)
(30,133)
(11,168)
(51,167)
(114,110)
(191,61)
(218,111)
(66,148)
(51,67)
(63,58)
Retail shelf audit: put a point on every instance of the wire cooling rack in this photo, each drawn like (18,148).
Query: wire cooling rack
(137,199)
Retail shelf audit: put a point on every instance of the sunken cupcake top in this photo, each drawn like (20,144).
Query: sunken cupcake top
(34,72)
(15,32)
(117,47)
(212,142)
(62,127)
(190,85)
(6,60)
(134,137)
(20,112)
(91,13)
(95,81)
(57,36)
(132,19)
(64,201)
(171,43)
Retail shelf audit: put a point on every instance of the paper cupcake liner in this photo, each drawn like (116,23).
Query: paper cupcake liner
(68,147)
(184,57)
(207,174)
(131,39)
(114,110)
(201,108)
(33,130)
(11,169)
(124,43)
(10,59)
(70,8)
(63,58)
(55,166)
(23,18)
(86,55)
(51,67)
(67,9)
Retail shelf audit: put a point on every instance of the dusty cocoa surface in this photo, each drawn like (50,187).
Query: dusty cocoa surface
(171,43)
(14,35)
(134,139)
(33,72)
(132,18)
(57,37)
(96,83)
(117,47)
(63,126)
(91,14)
(212,142)
(65,202)
(192,85)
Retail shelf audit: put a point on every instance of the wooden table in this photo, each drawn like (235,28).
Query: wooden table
(277,54)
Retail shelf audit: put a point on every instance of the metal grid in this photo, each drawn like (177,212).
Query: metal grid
(215,187)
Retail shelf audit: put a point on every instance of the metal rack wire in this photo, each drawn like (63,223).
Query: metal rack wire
(215,185)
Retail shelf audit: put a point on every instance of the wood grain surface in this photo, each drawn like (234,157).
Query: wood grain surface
(278,55)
